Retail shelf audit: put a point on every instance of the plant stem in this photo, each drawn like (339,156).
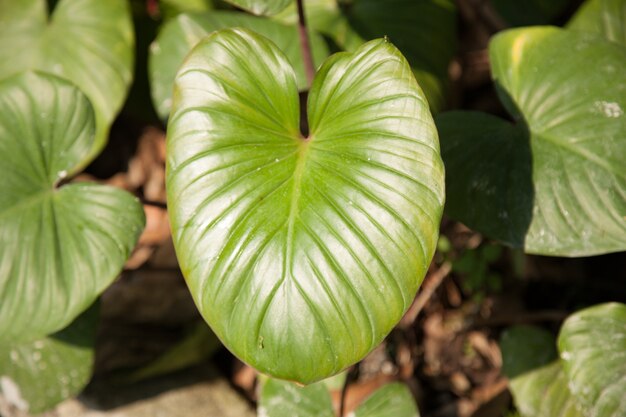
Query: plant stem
(305,45)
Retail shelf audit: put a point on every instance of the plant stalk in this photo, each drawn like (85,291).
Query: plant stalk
(305,45)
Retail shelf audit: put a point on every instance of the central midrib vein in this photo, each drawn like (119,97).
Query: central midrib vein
(294,203)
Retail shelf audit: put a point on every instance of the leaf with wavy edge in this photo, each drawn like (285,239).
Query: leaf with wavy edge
(89,42)
(181,34)
(423,30)
(61,246)
(537,382)
(301,253)
(592,344)
(35,376)
(604,17)
(570,135)
(261,7)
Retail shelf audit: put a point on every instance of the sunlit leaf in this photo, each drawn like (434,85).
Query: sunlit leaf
(180,35)
(302,253)
(285,399)
(604,17)
(261,7)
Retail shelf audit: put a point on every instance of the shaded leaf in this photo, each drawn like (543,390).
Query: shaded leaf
(592,344)
(301,253)
(604,17)
(89,42)
(172,8)
(537,381)
(180,35)
(35,376)
(530,12)
(285,399)
(569,142)
(61,246)
(393,399)
(261,7)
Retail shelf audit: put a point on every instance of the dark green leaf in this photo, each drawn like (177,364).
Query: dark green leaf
(604,17)
(180,35)
(89,42)
(391,400)
(530,12)
(553,182)
(592,344)
(301,253)
(525,348)
(60,246)
(35,376)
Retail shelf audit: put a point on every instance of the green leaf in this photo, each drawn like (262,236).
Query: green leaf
(604,17)
(89,42)
(261,7)
(61,246)
(172,8)
(301,253)
(423,30)
(393,399)
(530,12)
(539,386)
(180,35)
(35,376)
(285,399)
(553,182)
(592,344)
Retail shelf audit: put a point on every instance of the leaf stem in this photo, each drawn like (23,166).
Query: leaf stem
(305,45)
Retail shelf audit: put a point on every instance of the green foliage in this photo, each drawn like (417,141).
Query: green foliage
(553,182)
(37,375)
(588,380)
(604,17)
(530,12)
(474,266)
(284,399)
(61,246)
(180,35)
(261,7)
(423,30)
(301,253)
(88,42)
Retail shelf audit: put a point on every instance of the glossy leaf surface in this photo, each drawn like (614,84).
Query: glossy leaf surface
(301,253)
(554,182)
(180,35)
(391,400)
(604,17)
(423,30)
(592,344)
(261,7)
(537,381)
(285,399)
(61,246)
(89,42)
(35,376)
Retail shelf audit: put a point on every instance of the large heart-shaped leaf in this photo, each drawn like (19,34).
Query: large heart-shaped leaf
(261,7)
(604,17)
(592,344)
(61,246)
(301,252)
(554,182)
(424,30)
(35,376)
(538,383)
(180,35)
(89,42)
